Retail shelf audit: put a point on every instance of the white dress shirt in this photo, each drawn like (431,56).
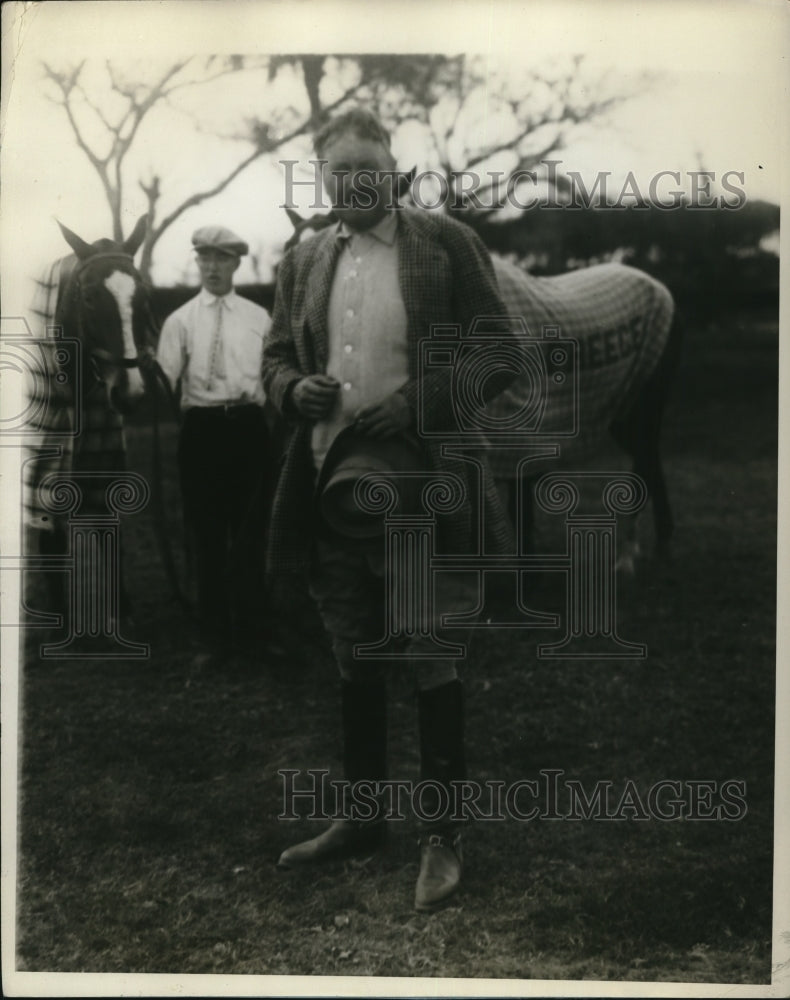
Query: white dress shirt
(367,327)
(212,373)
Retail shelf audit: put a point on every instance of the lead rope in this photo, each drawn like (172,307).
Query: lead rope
(152,370)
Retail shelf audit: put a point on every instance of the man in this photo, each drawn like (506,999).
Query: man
(352,304)
(212,348)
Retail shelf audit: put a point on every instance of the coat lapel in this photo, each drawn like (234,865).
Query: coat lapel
(320,276)
(423,271)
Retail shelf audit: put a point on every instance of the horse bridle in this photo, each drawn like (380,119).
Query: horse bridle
(142,359)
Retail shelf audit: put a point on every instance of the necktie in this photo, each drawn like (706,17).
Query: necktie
(217,370)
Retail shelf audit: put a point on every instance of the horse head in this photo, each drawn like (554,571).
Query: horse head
(105,305)
(306,226)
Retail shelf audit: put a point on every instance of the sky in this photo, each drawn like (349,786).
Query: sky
(720,101)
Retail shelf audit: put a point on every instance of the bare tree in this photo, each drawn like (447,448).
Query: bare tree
(490,128)
(452,96)
(105,121)
(496,123)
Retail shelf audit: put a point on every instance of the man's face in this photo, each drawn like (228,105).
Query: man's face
(217,270)
(351,175)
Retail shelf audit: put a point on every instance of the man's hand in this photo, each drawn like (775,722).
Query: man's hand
(314,396)
(384,419)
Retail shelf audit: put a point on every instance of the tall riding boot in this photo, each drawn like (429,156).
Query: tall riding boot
(441,721)
(364,713)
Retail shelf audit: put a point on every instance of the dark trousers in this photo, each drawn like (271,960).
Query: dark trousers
(226,471)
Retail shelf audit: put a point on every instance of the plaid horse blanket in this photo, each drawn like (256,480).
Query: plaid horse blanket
(71,427)
(619,317)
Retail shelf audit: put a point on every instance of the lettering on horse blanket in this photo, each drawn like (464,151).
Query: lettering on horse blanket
(621,320)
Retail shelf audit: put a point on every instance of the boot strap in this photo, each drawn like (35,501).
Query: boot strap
(440,840)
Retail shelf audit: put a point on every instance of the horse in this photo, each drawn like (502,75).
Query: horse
(619,323)
(94,298)
(621,351)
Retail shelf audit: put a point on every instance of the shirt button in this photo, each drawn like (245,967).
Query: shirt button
(348,348)
(357,260)
(346,386)
(349,312)
(352,274)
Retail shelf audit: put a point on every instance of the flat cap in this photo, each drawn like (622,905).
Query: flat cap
(219,238)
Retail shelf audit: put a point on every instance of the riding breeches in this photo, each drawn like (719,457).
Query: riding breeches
(355,594)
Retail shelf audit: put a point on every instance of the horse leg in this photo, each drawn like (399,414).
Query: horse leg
(639,434)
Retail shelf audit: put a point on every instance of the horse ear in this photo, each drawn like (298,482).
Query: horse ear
(78,245)
(132,243)
(295,217)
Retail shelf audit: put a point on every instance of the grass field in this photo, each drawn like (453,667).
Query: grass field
(150,794)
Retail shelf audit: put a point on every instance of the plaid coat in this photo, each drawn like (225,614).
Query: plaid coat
(67,431)
(446,276)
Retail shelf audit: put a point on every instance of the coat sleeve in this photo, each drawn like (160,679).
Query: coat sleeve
(279,366)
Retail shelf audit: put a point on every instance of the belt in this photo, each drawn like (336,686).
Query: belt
(229,410)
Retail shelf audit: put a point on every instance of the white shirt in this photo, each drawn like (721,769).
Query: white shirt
(367,327)
(188,352)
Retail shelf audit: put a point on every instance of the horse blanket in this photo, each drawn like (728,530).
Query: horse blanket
(71,427)
(619,317)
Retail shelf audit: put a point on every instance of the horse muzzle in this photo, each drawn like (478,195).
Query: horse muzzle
(122,377)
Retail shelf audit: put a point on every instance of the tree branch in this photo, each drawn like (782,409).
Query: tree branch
(140,109)
(95,109)
(261,150)
(225,71)
(201,196)
(66,86)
